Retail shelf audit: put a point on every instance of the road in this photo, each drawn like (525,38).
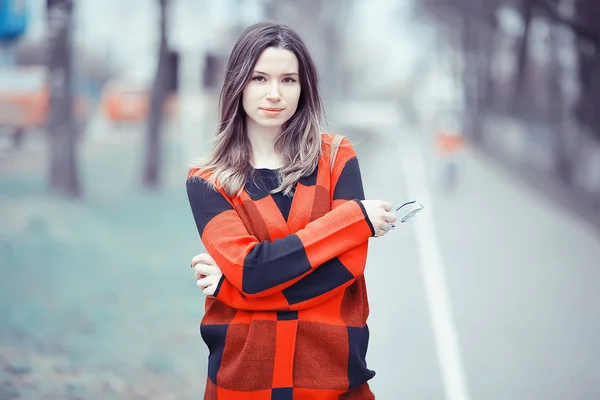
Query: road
(514,283)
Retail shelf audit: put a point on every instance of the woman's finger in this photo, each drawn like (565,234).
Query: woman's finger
(199,275)
(384,228)
(387,206)
(209,290)
(207,269)
(390,217)
(209,280)
(203,258)
(195,260)
(203,283)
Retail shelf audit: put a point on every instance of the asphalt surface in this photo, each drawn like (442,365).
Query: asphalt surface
(493,295)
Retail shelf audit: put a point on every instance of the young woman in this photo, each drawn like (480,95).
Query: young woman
(286,234)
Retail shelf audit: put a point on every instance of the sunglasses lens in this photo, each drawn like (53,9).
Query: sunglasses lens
(411,214)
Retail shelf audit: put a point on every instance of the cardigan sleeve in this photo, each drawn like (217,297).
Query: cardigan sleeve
(321,284)
(259,269)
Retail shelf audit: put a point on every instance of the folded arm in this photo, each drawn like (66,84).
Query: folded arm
(330,278)
(289,265)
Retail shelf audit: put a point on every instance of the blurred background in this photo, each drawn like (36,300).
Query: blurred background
(486,112)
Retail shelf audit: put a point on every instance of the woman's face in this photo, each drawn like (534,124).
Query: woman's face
(270,98)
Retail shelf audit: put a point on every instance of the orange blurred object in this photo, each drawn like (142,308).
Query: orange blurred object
(123,102)
(25,96)
(450,142)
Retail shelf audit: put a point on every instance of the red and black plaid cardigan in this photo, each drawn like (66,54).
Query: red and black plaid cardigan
(288,320)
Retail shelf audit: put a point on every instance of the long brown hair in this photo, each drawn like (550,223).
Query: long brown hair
(299,143)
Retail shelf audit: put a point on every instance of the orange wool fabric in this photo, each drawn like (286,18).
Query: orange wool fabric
(289,318)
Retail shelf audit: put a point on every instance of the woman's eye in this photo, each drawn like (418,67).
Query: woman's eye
(259,78)
(289,80)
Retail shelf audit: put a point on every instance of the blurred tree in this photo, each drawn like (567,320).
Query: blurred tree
(588,49)
(583,24)
(471,27)
(158,96)
(526,9)
(567,52)
(62,132)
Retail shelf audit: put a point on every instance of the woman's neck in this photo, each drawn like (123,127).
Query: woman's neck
(262,141)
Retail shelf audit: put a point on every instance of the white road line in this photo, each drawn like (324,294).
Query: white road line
(446,340)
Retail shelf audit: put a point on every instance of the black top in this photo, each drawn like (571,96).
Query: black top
(270,178)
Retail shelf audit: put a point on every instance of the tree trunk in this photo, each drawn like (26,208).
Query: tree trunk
(563,159)
(523,57)
(62,133)
(470,80)
(157,99)
(589,64)
(486,50)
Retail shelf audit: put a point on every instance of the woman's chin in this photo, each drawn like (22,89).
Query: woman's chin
(270,123)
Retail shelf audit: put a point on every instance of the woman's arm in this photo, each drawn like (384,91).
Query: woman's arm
(303,294)
(259,269)
(321,284)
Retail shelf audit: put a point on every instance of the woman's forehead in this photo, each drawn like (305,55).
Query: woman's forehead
(278,61)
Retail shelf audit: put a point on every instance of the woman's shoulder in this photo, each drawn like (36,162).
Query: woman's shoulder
(199,173)
(204,179)
(327,138)
(201,178)
(200,181)
(344,144)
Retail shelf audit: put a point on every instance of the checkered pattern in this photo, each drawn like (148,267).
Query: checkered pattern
(289,317)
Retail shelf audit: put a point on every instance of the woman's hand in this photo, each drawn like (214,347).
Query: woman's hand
(380,216)
(207,273)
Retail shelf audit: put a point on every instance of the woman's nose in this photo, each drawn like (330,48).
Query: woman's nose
(273,94)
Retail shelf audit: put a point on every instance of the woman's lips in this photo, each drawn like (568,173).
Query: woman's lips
(272,112)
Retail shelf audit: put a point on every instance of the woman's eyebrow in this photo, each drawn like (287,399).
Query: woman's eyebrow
(286,74)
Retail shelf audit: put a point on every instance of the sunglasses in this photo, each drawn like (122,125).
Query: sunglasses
(408,210)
